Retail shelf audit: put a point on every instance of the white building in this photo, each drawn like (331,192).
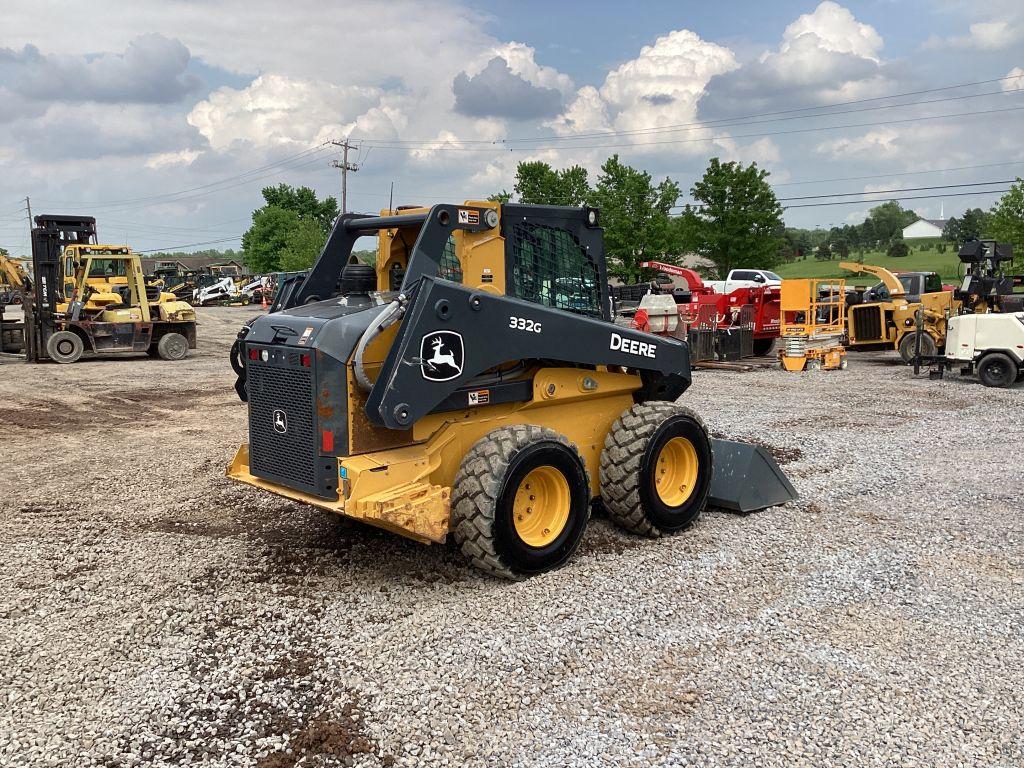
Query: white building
(923,228)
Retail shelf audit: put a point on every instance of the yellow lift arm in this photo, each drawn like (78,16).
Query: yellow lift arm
(888,278)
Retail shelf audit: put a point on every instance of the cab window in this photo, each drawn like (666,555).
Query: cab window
(108,268)
(550,267)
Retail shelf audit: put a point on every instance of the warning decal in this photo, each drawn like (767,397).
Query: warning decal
(467,216)
(480,397)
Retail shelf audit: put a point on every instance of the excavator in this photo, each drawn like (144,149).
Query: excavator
(15,284)
(889,322)
(472,384)
(88,296)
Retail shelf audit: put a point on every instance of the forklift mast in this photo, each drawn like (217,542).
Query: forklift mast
(50,236)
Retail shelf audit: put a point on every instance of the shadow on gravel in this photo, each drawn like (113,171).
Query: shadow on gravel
(127,408)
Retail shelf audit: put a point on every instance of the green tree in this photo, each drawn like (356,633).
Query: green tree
(304,202)
(539,184)
(634,214)
(888,219)
(739,217)
(971,226)
(898,248)
(824,253)
(302,245)
(286,222)
(1006,219)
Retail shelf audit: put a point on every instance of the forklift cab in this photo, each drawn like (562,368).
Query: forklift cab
(108,280)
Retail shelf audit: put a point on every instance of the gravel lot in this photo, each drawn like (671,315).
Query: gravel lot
(152,613)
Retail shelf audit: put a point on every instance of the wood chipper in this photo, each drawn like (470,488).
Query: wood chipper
(472,384)
(889,321)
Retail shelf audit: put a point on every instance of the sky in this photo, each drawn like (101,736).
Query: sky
(165,118)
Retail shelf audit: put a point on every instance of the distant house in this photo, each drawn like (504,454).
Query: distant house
(185,264)
(923,228)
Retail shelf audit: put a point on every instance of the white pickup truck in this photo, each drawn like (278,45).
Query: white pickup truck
(745,278)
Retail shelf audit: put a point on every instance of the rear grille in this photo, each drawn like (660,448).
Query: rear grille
(867,323)
(286,456)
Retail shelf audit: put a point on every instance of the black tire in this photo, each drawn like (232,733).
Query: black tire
(485,494)
(172,346)
(65,347)
(630,461)
(997,370)
(907,345)
(763,347)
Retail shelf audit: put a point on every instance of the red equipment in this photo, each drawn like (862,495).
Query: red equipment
(756,308)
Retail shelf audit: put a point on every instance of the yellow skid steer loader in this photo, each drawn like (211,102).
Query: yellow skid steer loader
(472,384)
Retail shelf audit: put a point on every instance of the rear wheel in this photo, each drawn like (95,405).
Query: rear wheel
(997,370)
(521,501)
(172,346)
(763,347)
(65,347)
(908,346)
(656,468)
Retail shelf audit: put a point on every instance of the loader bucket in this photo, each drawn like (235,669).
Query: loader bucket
(747,478)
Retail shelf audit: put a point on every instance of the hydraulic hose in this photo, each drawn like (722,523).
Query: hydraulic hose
(388,316)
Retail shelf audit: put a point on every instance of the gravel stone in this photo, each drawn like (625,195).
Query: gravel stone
(152,613)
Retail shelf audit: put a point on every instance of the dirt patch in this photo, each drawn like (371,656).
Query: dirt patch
(128,408)
(339,735)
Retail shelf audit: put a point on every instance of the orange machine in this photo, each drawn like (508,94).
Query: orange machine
(812,324)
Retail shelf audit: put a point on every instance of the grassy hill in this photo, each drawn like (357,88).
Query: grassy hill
(929,260)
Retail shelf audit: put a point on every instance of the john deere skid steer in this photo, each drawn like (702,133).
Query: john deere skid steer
(472,384)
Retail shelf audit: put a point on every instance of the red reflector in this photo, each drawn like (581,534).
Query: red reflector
(327,440)
(253,354)
(305,361)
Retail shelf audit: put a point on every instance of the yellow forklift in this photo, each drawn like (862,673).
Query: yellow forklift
(88,296)
(888,321)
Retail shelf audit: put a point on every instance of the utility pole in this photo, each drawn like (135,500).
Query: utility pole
(28,207)
(345,167)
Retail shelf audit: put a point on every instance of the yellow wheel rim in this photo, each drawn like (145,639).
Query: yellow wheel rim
(541,506)
(675,472)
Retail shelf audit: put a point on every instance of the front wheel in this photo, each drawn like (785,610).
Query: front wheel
(521,501)
(997,370)
(656,468)
(172,346)
(65,347)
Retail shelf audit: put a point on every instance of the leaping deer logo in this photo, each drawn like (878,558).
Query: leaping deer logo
(280,422)
(445,359)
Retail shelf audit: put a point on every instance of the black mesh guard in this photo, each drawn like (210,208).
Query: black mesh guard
(551,267)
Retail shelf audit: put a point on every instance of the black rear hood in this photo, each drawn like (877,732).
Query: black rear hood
(303,327)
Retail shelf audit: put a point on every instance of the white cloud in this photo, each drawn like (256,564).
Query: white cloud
(1017,81)
(825,57)
(275,110)
(834,29)
(663,84)
(881,143)
(166,159)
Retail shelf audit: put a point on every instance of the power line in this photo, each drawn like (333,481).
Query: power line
(900,173)
(282,162)
(187,245)
(899,197)
(722,122)
(905,189)
(976,113)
